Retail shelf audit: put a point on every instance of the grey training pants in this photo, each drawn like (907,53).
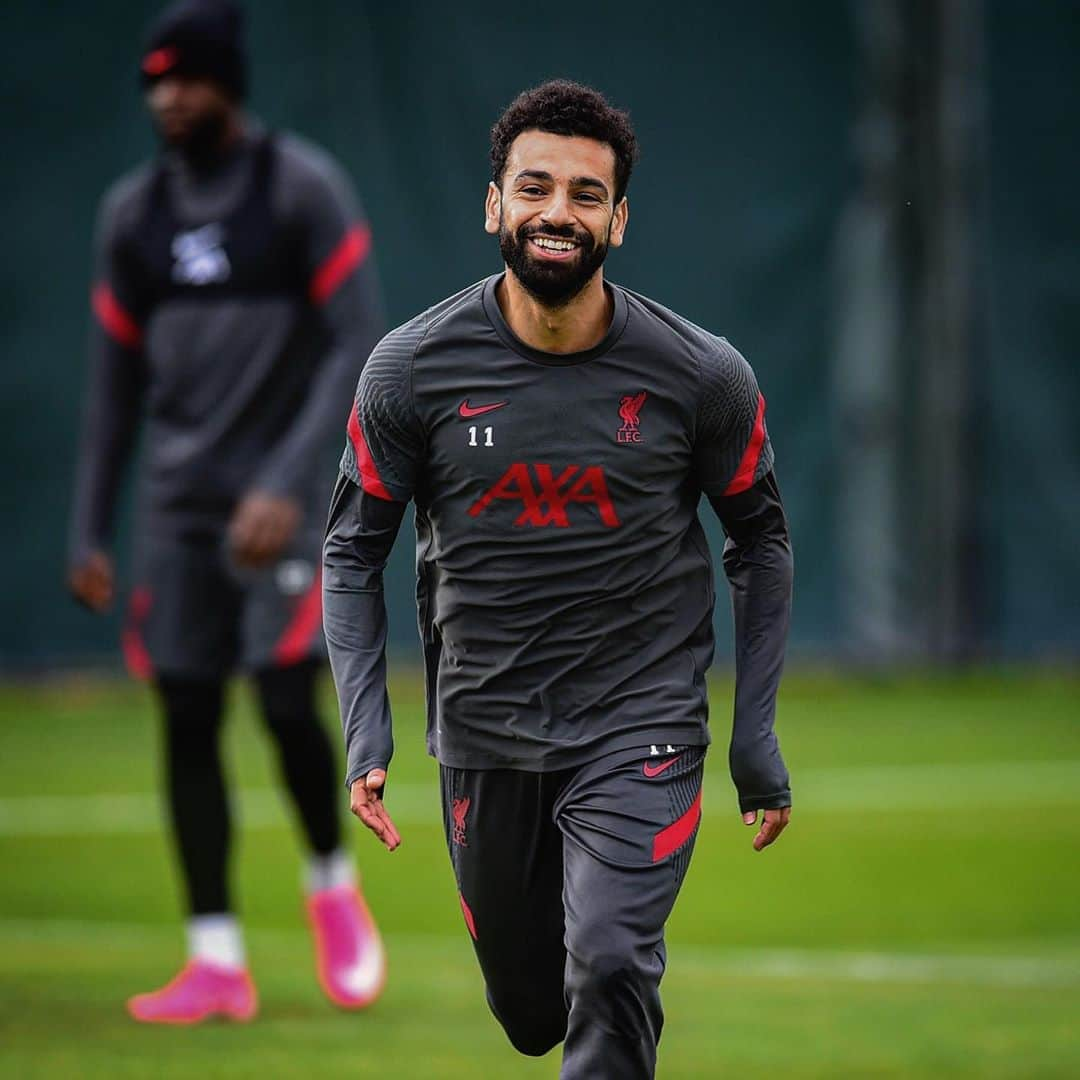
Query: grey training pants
(566,880)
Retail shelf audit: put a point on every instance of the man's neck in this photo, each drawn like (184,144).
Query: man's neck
(574,327)
(208,158)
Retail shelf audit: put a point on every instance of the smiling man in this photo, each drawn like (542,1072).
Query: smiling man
(556,433)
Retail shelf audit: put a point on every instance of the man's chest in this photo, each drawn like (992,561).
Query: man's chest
(517,443)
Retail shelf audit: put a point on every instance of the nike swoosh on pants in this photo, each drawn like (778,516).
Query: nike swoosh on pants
(656,770)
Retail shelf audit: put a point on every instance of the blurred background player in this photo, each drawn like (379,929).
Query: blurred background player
(235,305)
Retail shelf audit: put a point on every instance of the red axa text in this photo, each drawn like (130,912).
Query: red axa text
(545,497)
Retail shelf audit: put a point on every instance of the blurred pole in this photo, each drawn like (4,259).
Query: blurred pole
(951,138)
(905,338)
(867,361)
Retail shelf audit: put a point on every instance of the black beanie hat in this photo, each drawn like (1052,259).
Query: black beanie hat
(198,37)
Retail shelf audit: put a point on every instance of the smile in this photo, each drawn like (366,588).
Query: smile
(553,247)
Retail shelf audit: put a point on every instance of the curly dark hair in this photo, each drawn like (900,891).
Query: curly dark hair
(563,107)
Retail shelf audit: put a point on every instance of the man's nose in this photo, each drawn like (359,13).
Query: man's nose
(558,210)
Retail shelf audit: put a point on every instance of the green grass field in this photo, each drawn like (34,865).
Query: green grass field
(920,918)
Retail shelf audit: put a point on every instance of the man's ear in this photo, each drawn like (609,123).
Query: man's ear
(618,223)
(492,209)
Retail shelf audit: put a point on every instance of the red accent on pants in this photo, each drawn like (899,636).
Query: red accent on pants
(294,644)
(678,832)
(136,655)
(470,922)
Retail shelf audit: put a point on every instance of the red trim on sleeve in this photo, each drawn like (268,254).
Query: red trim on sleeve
(470,922)
(295,642)
(136,655)
(678,832)
(744,474)
(115,321)
(370,480)
(340,263)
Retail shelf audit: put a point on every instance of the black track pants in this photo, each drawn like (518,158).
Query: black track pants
(195,775)
(566,881)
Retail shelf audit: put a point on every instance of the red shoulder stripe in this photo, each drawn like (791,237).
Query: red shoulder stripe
(115,321)
(340,263)
(744,474)
(369,474)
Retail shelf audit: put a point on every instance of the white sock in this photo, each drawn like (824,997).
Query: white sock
(216,939)
(330,871)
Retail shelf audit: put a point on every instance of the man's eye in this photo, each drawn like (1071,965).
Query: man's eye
(585,196)
(532,190)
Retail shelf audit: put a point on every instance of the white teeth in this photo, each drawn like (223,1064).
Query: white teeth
(554,245)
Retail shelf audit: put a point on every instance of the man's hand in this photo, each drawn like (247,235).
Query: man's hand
(771,826)
(262,526)
(92,582)
(367,805)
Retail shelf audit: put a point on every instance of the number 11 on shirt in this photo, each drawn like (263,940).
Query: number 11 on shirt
(489,436)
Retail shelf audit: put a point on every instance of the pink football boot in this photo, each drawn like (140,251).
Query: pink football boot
(200,991)
(349,954)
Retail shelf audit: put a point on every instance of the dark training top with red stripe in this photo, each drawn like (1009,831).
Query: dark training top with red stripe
(233,308)
(565,583)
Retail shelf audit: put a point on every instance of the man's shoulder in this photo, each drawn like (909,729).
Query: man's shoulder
(308,174)
(653,317)
(431,327)
(124,201)
(305,157)
(713,355)
(444,322)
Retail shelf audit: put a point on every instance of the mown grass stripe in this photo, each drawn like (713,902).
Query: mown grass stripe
(885,788)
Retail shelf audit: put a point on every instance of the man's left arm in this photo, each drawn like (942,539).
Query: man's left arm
(734,461)
(759,568)
(341,283)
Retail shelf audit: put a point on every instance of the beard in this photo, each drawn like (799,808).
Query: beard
(553,284)
(201,143)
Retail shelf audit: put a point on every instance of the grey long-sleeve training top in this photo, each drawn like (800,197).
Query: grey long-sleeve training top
(565,588)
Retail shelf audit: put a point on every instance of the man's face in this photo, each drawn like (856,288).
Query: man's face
(555,214)
(189,112)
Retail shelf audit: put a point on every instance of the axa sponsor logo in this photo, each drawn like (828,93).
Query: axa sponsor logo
(199,256)
(629,410)
(546,497)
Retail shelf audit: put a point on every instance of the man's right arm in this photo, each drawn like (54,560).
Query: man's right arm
(383,454)
(113,401)
(359,536)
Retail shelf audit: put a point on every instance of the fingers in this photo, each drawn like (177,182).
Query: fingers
(366,803)
(773,824)
(252,536)
(262,528)
(91,583)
